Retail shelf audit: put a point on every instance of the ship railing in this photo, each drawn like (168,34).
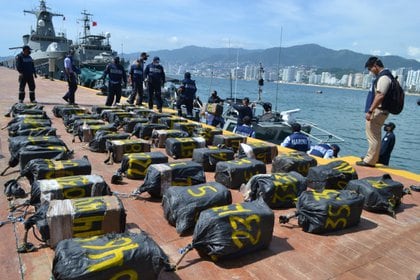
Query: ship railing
(321,135)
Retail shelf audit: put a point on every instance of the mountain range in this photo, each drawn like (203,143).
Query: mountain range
(310,55)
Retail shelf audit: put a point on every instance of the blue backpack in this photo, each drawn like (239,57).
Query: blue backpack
(393,101)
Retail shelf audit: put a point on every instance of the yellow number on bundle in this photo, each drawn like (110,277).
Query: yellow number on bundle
(234,220)
(112,258)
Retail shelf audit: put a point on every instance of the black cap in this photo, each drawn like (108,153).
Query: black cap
(187,75)
(214,93)
(296,127)
(156,58)
(117,59)
(26,47)
(390,124)
(336,148)
(246,99)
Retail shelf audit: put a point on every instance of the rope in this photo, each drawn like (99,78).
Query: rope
(286,218)
(183,251)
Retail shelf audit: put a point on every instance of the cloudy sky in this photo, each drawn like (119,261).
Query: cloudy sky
(370,27)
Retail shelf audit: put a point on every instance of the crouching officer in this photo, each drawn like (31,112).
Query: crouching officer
(26,68)
(186,94)
(117,75)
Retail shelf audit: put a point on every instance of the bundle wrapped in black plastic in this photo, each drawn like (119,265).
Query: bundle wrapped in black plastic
(88,132)
(37,131)
(117,148)
(70,119)
(233,230)
(97,109)
(134,166)
(234,173)
(26,109)
(27,118)
(334,175)
(279,190)
(142,112)
(68,187)
(128,124)
(155,117)
(28,123)
(98,143)
(117,117)
(183,147)
(16,145)
(327,211)
(188,127)
(382,194)
(38,169)
(161,176)
(209,157)
(106,113)
(208,133)
(139,257)
(66,112)
(57,109)
(231,141)
(293,161)
(262,151)
(144,130)
(159,136)
(182,205)
(30,152)
(77,125)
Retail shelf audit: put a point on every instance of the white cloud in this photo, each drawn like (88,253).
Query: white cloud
(413,51)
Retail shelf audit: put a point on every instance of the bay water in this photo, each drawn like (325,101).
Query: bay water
(338,110)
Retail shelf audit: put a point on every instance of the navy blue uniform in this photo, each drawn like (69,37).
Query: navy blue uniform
(212,119)
(387,146)
(136,74)
(117,75)
(155,79)
(297,141)
(186,95)
(26,68)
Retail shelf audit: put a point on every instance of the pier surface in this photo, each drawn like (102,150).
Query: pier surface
(380,247)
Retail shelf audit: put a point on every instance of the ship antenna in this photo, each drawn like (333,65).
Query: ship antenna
(278,68)
(260,81)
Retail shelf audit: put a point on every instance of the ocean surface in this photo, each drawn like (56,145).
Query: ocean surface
(338,110)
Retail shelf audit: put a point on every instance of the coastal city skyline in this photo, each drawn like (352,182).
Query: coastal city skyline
(145,25)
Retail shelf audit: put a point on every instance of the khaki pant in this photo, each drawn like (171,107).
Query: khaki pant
(374,135)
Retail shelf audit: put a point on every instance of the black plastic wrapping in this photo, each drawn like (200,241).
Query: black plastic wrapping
(183,147)
(382,194)
(37,169)
(278,190)
(329,210)
(144,130)
(98,143)
(135,165)
(159,177)
(334,175)
(293,161)
(209,157)
(234,173)
(233,230)
(182,205)
(110,256)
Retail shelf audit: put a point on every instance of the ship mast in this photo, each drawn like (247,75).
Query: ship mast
(44,23)
(260,81)
(86,24)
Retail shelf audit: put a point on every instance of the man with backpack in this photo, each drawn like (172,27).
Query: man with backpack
(375,114)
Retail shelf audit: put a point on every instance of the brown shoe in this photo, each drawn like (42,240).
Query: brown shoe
(362,163)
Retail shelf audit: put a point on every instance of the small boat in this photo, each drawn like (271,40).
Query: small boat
(277,126)
(319,91)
